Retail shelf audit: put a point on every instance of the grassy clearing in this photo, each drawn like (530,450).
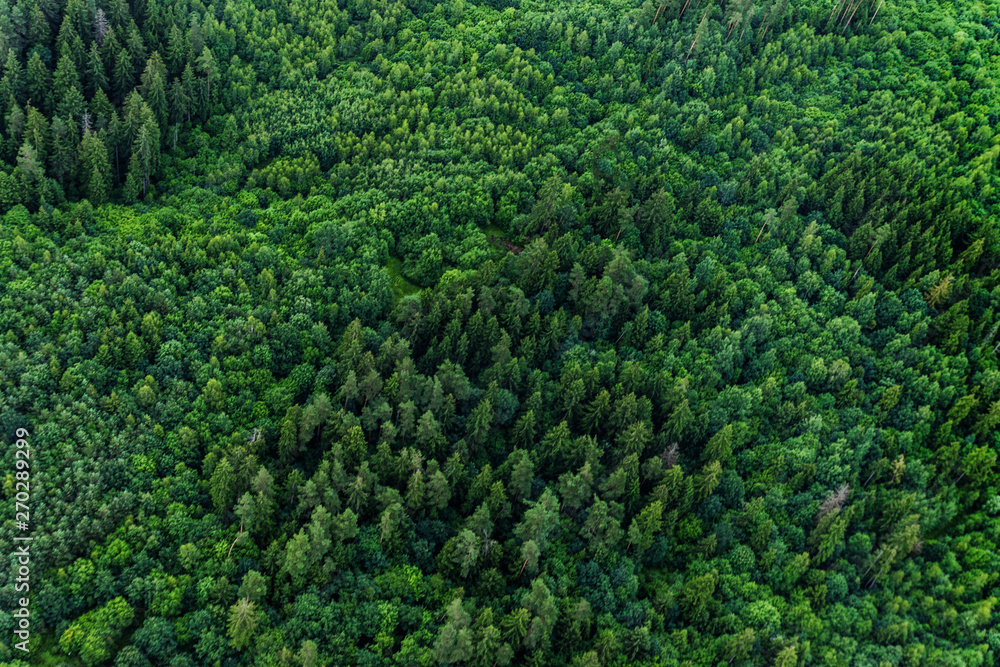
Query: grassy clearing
(401,287)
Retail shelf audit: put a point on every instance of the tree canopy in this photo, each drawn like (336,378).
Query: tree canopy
(511,333)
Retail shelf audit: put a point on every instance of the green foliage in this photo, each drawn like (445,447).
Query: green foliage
(514,333)
(90,634)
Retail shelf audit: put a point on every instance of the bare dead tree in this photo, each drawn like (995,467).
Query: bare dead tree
(873,562)
(670,456)
(762,26)
(848,24)
(876,12)
(235,541)
(733,22)
(100,27)
(749,17)
(698,35)
(847,8)
(834,501)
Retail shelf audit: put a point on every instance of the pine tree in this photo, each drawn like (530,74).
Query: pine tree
(177,50)
(223,486)
(524,429)
(37,133)
(15,123)
(521,475)
(71,105)
(154,23)
(540,521)
(576,488)
(467,549)
(101,110)
(119,13)
(529,557)
(288,441)
(136,48)
(13,81)
(79,17)
(63,158)
(97,78)
(39,31)
(645,526)
(479,422)
(719,447)
(706,482)
(39,82)
(208,67)
(243,621)
(31,165)
(602,530)
(938,294)
(454,643)
(68,43)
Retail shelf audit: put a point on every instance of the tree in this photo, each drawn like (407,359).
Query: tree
(14,81)
(37,133)
(156,639)
(645,526)
(454,642)
(191,91)
(479,423)
(65,78)
(136,48)
(466,551)
(524,428)
(939,293)
(540,521)
(530,553)
(542,604)
(210,69)
(122,78)
(88,636)
(39,31)
(576,489)
(389,521)
(145,154)
(180,103)
(215,399)
(709,479)
(680,422)
(719,447)
(177,49)
(63,154)
(101,27)
(288,440)
(223,485)
(254,587)
(308,655)
(602,530)
(978,465)
(636,437)
(95,169)
(522,474)
(242,623)
(154,88)
(696,595)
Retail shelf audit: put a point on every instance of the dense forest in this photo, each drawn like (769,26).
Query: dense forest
(605,333)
